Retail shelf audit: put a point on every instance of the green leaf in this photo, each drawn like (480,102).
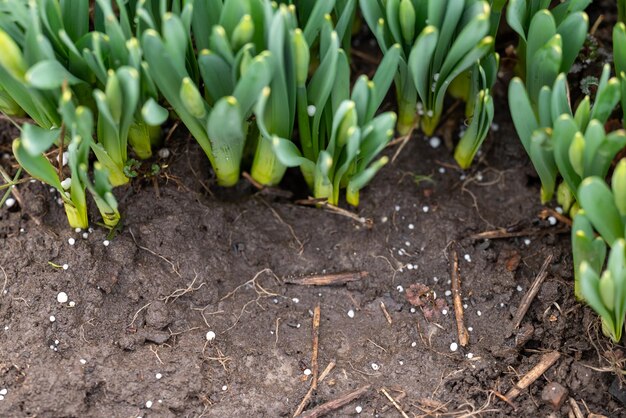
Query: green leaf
(36,140)
(523,115)
(618,184)
(225,129)
(37,166)
(153,113)
(48,75)
(597,201)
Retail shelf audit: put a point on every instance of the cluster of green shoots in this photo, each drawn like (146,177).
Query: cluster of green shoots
(571,150)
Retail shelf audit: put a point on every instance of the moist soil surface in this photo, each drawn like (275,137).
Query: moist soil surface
(131,341)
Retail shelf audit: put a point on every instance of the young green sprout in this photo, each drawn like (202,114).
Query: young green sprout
(559,141)
(439,40)
(216,113)
(606,292)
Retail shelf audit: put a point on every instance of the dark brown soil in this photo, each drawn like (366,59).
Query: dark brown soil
(187,262)
(222,262)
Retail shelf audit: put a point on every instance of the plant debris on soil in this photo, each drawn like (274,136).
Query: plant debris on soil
(199,307)
(202,304)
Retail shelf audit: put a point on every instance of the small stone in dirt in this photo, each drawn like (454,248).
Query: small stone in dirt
(470,356)
(106,242)
(410,266)
(71,241)
(307,372)
(454,347)
(351,313)
(413,310)
(400,288)
(224,388)
(479,313)
(425,209)
(413,344)
(375,367)
(3,391)
(445,312)
(397,208)
(65,266)
(467,258)
(358,409)
(52,318)
(552,220)
(62,297)
(164,153)
(149,404)
(448,292)
(295,300)
(83,361)
(411,226)
(158,376)
(470,329)
(85,235)
(72,303)
(527,241)
(10,202)
(77,230)
(434,142)
(554,394)
(519,288)
(210,336)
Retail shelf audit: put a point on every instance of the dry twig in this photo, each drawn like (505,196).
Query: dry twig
(458,303)
(394,403)
(335,404)
(387,316)
(328,279)
(530,295)
(314,364)
(547,360)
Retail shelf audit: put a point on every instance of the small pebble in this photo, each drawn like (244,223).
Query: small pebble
(351,313)
(442,170)
(210,336)
(66,183)
(72,304)
(3,392)
(62,296)
(454,347)
(470,329)
(410,266)
(295,300)
(10,202)
(307,372)
(310,110)
(358,409)
(375,367)
(164,153)
(407,243)
(83,361)
(448,292)
(434,142)
(397,208)
(1,397)
(413,310)
(425,209)
(158,376)
(413,344)
(106,242)
(77,230)
(445,312)
(470,356)
(65,266)
(149,404)
(52,318)
(384,219)
(411,226)
(467,258)
(400,288)
(519,288)
(559,210)
(66,158)
(71,241)
(527,241)
(224,388)
(479,313)
(85,235)
(552,220)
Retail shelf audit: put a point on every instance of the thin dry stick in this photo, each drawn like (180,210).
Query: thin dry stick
(174,269)
(575,408)
(547,360)
(328,279)
(282,221)
(394,403)
(335,404)
(530,295)
(387,316)
(326,372)
(6,280)
(503,233)
(314,364)
(458,303)
(368,222)
(137,314)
